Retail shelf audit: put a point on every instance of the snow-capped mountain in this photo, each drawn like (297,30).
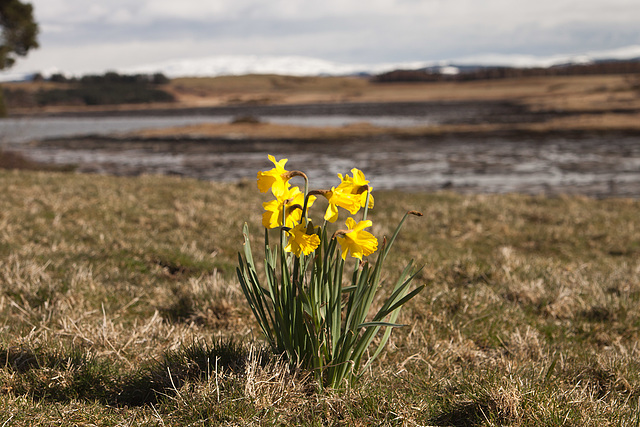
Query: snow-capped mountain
(256,64)
(307,66)
(530,61)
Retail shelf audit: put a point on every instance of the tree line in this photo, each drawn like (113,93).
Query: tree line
(488,73)
(110,77)
(110,88)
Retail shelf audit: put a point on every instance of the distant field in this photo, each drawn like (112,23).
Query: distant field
(118,300)
(564,103)
(594,93)
(574,92)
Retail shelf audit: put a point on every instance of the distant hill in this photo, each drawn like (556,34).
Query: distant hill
(470,72)
(489,64)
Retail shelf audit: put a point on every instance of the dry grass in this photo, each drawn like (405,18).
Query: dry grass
(119,306)
(599,92)
(596,93)
(265,89)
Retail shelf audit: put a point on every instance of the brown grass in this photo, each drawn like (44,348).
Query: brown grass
(552,93)
(572,92)
(530,316)
(600,92)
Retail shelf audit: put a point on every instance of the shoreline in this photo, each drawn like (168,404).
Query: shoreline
(598,165)
(537,136)
(454,116)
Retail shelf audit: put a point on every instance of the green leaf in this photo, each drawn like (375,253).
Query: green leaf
(403,300)
(370,324)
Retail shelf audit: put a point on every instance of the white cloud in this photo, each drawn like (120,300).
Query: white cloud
(89,34)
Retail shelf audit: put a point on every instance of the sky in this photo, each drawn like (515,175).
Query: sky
(88,36)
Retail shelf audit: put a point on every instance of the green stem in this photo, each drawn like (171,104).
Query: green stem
(284,223)
(366,205)
(306,198)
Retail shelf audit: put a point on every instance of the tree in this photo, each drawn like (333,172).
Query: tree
(19,31)
(19,35)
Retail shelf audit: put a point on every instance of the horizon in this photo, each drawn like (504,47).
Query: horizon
(121,35)
(229,65)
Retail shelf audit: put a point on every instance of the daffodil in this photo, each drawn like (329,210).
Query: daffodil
(302,301)
(275,179)
(292,201)
(337,198)
(351,195)
(302,240)
(356,240)
(356,185)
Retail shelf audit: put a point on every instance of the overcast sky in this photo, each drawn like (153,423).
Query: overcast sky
(96,35)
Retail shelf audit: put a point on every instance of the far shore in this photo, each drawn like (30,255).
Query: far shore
(546,135)
(570,103)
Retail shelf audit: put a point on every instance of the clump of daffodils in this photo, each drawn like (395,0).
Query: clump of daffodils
(303,305)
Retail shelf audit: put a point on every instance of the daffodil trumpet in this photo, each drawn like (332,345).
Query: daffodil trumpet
(299,302)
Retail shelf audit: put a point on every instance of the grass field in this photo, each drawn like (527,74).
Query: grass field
(549,93)
(119,306)
(584,94)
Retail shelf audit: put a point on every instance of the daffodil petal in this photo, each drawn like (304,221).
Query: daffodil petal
(331,214)
(300,242)
(274,179)
(357,241)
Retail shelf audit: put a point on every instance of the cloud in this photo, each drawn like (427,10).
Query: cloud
(77,33)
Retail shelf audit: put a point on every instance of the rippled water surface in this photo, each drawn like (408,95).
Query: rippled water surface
(558,164)
(22,130)
(595,164)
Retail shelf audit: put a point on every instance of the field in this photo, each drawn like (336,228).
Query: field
(119,306)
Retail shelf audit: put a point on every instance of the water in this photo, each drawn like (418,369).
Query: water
(401,114)
(594,164)
(556,164)
(21,130)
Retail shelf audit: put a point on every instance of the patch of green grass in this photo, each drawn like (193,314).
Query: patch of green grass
(119,306)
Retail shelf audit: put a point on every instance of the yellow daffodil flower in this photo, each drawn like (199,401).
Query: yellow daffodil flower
(356,185)
(275,179)
(292,200)
(356,240)
(351,195)
(337,198)
(300,241)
